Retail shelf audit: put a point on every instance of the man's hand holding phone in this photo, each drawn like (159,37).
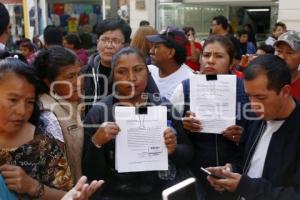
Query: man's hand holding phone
(223,178)
(208,173)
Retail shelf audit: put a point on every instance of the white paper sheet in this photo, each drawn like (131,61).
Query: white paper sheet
(214,101)
(140,144)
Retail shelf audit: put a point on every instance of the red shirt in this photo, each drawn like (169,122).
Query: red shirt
(295,91)
(194,65)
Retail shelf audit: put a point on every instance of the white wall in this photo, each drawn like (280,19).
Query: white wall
(289,13)
(137,15)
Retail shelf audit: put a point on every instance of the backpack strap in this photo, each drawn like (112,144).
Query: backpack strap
(186,93)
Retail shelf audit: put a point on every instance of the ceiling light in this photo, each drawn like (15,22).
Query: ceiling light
(258,10)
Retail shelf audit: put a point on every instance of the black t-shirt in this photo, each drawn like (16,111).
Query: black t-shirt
(104,70)
(103,84)
(243,47)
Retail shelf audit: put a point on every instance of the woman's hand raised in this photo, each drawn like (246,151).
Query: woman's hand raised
(106,132)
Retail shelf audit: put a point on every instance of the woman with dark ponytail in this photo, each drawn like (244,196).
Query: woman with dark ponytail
(59,74)
(32,165)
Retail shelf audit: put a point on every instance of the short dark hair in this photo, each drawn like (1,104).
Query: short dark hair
(73,39)
(28,45)
(266,48)
(4,18)
(18,42)
(249,26)
(53,35)
(186,29)
(221,20)
(144,23)
(16,66)
(275,68)
(180,51)
(49,62)
(114,24)
(280,24)
(242,32)
(225,42)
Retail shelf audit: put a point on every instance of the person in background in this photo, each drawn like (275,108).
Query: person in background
(52,36)
(129,68)
(193,49)
(31,163)
(5,27)
(264,49)
(144,23)
(38,43)
(246,47)
(271,38)
(246,59)
(140,42)
(288,48)
(168,55)
(278,29)
(212,149)
(112,36)
(219,26)
(73,42)
(27,50)
(251,33)
(230,29)
(59,72)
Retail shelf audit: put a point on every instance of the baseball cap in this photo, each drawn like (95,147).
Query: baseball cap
(170,34)
(292,38)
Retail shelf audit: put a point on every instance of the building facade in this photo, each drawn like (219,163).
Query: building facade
(261,14)
(81,15)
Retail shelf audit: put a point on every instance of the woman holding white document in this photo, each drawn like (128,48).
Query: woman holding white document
(129,78)
(219,148)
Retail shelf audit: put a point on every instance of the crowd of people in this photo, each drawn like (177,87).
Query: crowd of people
(57,112)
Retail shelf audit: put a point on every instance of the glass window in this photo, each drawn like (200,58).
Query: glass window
(183,14)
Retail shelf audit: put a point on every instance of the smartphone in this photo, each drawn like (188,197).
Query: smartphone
(186,190)
(208,173)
